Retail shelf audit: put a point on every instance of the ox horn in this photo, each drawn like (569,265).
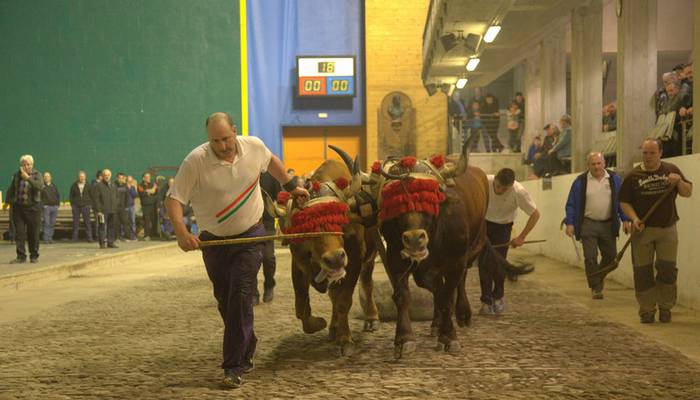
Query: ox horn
(272,208)
(353,167)
(345,156)
(463,162)
(392,176)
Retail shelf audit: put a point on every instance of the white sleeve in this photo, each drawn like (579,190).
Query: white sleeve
(524,200)
(264,154)
(185,182)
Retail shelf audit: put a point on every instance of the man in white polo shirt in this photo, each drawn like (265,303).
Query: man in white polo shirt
(506,195)
(220,179)
(593,216)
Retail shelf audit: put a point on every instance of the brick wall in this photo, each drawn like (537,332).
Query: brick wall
(394,35)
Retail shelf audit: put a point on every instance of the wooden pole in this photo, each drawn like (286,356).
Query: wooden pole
(224,242)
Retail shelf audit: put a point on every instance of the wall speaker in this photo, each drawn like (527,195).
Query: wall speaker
(431,88)
(471,42)
(449,41)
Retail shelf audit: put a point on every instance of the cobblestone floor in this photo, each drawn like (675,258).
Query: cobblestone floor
(160,339)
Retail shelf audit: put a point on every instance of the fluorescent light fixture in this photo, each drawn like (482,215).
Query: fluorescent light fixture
(491,33)
(461,83)
(472,63)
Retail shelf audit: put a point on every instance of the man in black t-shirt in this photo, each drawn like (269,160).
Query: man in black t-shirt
(654,241)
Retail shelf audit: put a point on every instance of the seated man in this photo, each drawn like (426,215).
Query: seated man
(560,153)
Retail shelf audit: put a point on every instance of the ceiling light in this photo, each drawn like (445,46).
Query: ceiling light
(472,63)
(491,33)
(461,83)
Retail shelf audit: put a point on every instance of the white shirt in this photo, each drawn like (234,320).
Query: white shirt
(598,198)
(503,208)
(225,196)
(81,186)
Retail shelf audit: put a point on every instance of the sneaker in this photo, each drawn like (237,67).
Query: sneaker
(486,309)
(231,379)
(597,294)
(268,295)
(647,318)
(33,260)
(499,306)
(18,261)
(664,315)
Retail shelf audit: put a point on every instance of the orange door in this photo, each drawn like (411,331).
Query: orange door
(305,148)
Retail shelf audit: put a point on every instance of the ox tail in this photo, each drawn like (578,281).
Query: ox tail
(490,257)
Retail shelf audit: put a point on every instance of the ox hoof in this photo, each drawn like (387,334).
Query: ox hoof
(513,277)
(453,347)
(464,320)
(314,324)
(371,325)
(404,349)
(434,331)
(346,349)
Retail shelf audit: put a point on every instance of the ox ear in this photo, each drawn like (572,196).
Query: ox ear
(272,208)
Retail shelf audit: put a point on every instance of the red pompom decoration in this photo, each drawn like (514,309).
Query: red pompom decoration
(376,167)
(438,160)
(408,162)
(416,195)
(315,186)
(323,217)
(341,183)
(283,197)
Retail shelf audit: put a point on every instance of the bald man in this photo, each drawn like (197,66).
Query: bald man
(220,179)
(593,216)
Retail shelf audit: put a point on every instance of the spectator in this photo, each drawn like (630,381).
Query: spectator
(147,193)
(673,103)
(81,202)
(661,96)
(105,199)
(479,98)
(533,150)
(133,194)
(166,226)
(476,128)
(50,200)
(93,186)
(561,151)
(491,115)
(513,127)
(610,118)
(520,101)
(121,221)
(542,164)
(24,196)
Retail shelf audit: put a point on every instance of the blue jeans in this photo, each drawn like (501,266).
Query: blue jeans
(49,215)
(132,219)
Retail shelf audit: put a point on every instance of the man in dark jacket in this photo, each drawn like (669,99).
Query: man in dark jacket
(148,192)
(105,201)
(50,200)
(24,196)
(270,185)
(81,202)
(122,215)
(593,216)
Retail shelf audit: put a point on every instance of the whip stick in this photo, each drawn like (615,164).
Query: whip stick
(224,242)
(525,242)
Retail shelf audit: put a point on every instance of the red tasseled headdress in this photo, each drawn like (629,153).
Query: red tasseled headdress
(322,217)
(376,167)
(341,183)
(438,160)
(283,197)
(419,195)
(408,162)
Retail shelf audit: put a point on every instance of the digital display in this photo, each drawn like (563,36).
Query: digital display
(326,76)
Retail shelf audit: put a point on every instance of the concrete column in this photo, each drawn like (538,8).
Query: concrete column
(636,77)
(586,80)
(553,76)
(533,96)
(696,63)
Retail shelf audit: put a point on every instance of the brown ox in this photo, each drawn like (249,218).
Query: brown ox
(332,263)
(437,247)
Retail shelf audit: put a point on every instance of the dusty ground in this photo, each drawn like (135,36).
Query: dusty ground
(151,331)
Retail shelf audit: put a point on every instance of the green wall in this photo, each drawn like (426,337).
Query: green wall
(119,84)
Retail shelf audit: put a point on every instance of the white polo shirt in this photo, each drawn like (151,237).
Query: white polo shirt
(225,196)
(598,198)
(503,208)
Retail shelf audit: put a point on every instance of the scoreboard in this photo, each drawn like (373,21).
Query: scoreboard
(326,76)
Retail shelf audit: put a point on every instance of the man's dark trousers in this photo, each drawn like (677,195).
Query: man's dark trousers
(150,221)
(233,270)
(597,235)
(83,211)
(123,224)
(27,221)
(106,231)
(491,277)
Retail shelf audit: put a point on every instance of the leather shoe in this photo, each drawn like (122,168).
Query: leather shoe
(18,261)
(664,316)
(34,260)
(231,379)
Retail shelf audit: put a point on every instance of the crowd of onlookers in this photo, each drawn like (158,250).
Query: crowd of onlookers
(480,116)
(551,155)
(674,101)
(106,206)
